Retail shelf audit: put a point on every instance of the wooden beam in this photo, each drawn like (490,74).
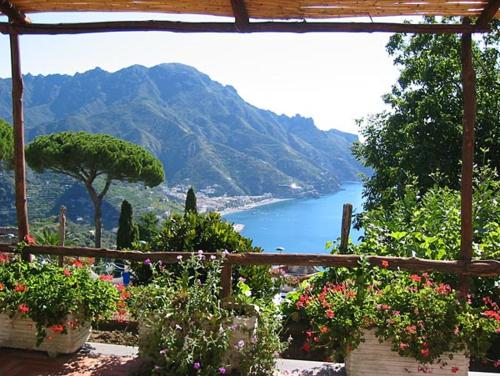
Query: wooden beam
(224,27)
(226,280)
(469,120)
(488,13)
(486,268)
(14,14)
(19,160)
(240,12)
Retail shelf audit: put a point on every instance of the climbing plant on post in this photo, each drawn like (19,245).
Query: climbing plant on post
(6,145)
(94,158)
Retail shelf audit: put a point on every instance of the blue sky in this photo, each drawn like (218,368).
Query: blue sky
(333,78)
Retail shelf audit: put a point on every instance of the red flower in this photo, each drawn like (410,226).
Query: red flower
(306,347)
(106,277)
(492,314)
(23,308)
(3,258)
(330,314)
(385,263)
(20,288)
(309,333)
(29,239)
(425,352)
(415,278)
(57,328)
(77,264)
(2,286)
(67,273)
(323,329)
(455,369)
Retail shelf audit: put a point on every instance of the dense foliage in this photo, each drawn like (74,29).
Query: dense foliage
(54,298)
(85,157)
(127,230)
(209,233)
(6,144)
(190,204)
(428,226)
(422,318)
(421,136)
(187,330)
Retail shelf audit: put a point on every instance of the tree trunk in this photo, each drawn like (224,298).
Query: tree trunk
(98,222)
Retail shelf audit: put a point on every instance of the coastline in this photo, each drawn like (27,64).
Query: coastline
(267,201)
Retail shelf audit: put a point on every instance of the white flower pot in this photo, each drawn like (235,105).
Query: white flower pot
(377,359)
(20,333)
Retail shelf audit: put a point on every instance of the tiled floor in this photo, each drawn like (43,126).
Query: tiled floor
(111,360)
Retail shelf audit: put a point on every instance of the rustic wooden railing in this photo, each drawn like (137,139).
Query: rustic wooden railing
(483,268)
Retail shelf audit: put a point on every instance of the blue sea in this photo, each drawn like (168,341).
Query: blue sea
(300,225)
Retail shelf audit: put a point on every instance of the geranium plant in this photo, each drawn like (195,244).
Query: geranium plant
(188,330)
(55,298)
(422,318)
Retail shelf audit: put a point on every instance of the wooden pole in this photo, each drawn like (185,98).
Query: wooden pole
(19,159)
(469,119)
(62,232)
(226,279)
(227,27)
(346,226)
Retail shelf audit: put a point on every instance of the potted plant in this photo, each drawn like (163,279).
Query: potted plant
(186,329)
(397,323)
(49,308)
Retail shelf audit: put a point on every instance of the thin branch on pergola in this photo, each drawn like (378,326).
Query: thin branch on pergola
(226,27)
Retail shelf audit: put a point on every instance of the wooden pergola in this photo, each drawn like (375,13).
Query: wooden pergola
(253,16)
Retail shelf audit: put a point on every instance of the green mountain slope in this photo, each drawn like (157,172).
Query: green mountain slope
(203,132)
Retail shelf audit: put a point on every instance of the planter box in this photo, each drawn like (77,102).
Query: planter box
(377,359)
(20,333)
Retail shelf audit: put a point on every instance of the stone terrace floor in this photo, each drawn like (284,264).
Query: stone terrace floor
(111,360)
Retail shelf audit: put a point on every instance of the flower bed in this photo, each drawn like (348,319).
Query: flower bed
(417,316)
(187,330)
(49,308)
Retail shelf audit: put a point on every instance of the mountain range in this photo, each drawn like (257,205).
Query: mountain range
(204,132)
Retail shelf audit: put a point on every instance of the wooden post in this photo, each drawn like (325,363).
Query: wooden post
(19,160)
(62,232)
(346,226)
(226,279)
(469,119)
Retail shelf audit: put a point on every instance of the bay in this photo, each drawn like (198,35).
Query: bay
(300,225)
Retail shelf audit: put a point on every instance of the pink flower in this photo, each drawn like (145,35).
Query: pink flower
(67,273)
(385,263)
(222,371)
(411,329)
(197,365)
(20,288)
(403,346)
(455,369)
(106,277)
(330,314)
(77,264)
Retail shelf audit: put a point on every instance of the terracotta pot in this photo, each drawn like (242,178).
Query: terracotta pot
(20,333)
(377,359)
